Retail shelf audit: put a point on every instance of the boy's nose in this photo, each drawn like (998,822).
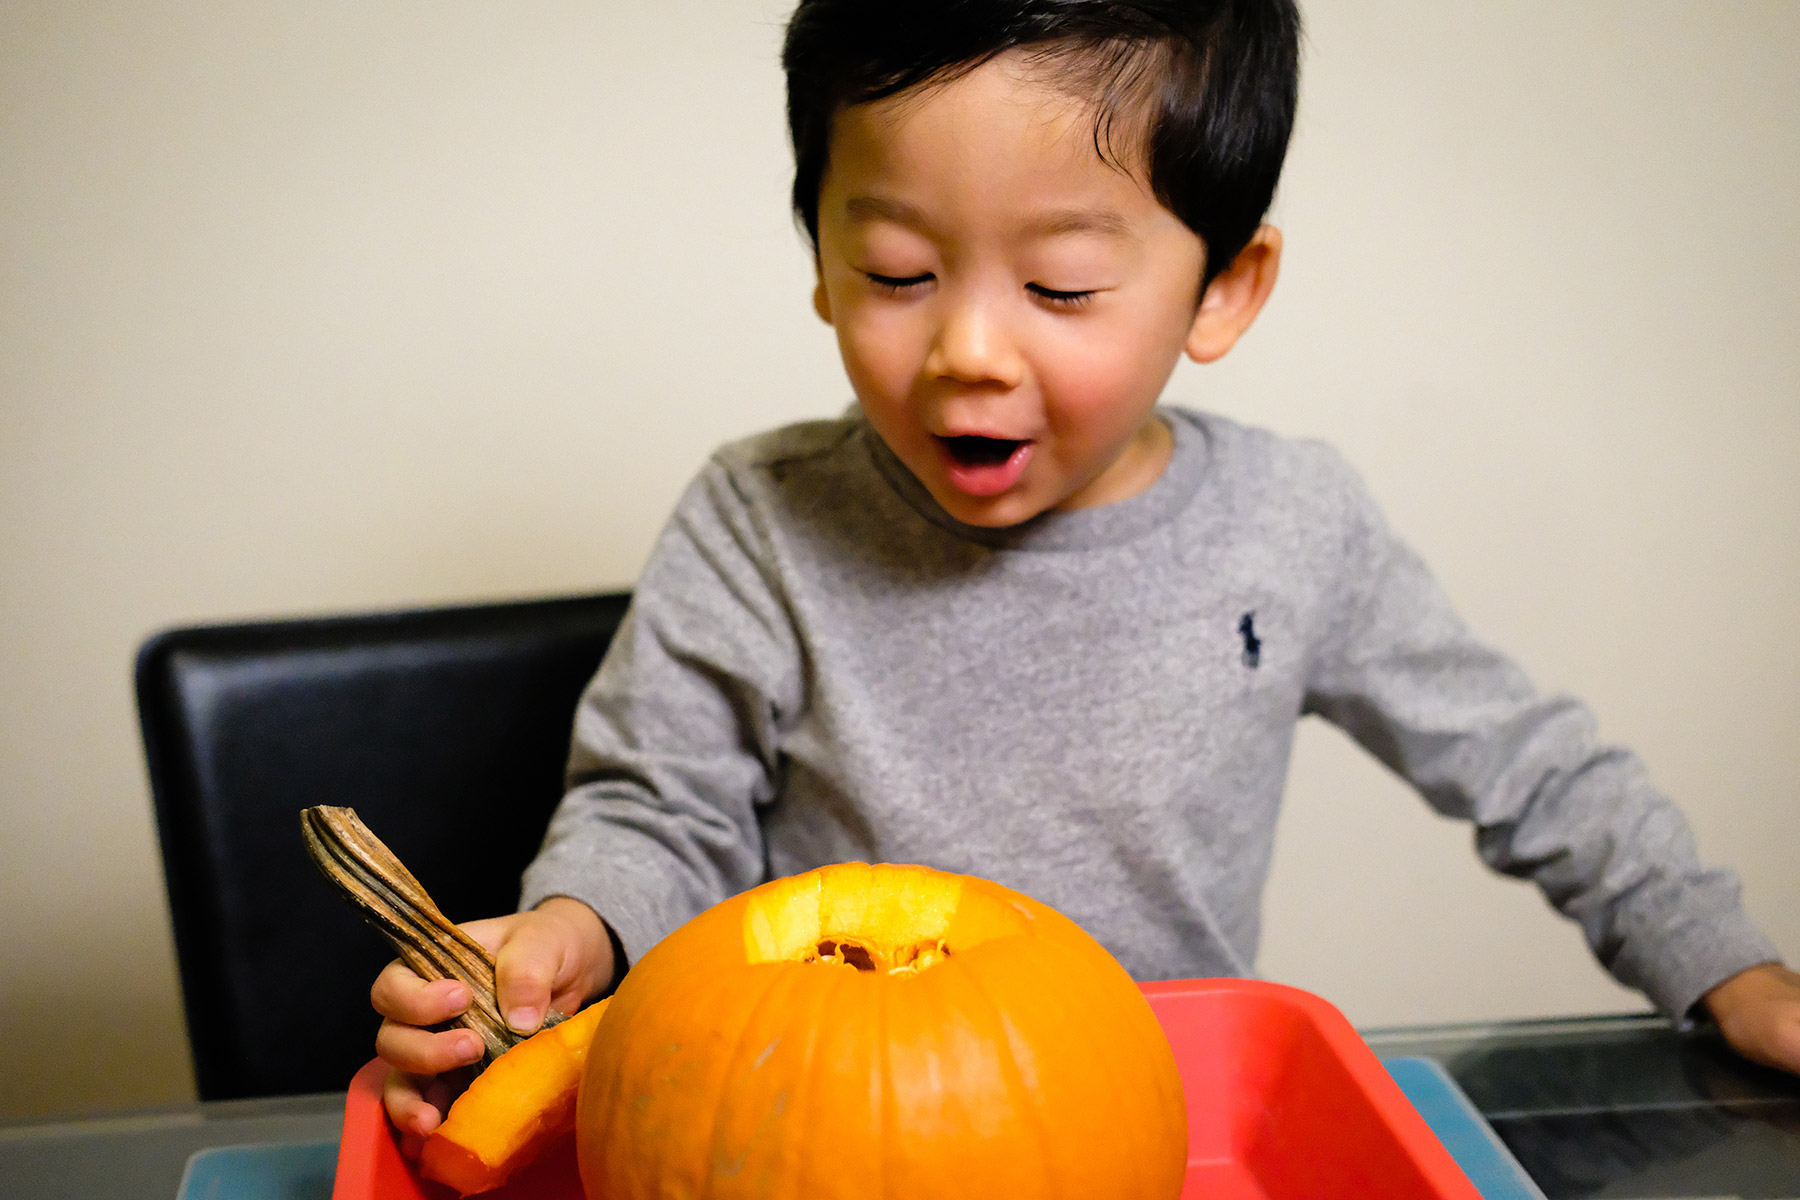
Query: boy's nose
(973,347)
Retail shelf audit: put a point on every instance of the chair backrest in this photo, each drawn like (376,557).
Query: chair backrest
(447,730)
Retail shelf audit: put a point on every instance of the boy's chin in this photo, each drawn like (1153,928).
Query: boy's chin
(986,512)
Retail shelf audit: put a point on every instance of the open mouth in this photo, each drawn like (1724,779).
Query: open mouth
(984,466)
(975,451)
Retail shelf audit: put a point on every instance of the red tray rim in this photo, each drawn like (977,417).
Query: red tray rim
(366,1125)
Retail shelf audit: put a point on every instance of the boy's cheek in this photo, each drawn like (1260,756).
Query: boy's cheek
(877,351)
(1122,347)
(1100,390)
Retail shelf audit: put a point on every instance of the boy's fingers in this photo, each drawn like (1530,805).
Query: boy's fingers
(404,1097)
(1782,1047)
(400,995)
(569,1001)
(1758,1011)
(422,1052)
(1774,1044)
(490,932)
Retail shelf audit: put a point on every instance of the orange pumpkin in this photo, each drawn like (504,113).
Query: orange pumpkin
(522,1103)
(867,1031)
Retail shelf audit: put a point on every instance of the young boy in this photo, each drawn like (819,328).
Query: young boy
(1008,617)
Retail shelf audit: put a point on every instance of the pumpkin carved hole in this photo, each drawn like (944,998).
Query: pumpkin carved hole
(851,954)
(895,960)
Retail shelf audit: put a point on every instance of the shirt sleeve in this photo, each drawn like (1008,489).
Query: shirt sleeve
(1401,674)
(675,739)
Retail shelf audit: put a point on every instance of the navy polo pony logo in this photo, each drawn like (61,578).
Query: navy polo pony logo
(1252,643)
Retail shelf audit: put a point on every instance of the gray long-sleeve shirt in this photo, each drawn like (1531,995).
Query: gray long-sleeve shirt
(1095,708)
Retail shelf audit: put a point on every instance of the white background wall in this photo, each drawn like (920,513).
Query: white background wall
(349,305)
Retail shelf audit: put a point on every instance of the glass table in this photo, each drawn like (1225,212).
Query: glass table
(1599,1106)
(141,1154)
(1622,1106)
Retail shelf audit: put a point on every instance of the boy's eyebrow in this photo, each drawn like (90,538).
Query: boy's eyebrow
(861,209)
(1079,220)
(1052,223)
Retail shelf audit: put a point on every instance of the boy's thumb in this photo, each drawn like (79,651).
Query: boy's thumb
(524,972)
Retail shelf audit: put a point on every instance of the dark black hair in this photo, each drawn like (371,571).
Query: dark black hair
(1215,83)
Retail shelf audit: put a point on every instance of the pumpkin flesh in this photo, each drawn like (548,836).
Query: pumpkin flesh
(524,1101)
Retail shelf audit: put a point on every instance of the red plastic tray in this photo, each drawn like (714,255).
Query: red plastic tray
(1284,1101)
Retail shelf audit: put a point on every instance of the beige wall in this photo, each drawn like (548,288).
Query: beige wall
(348,305)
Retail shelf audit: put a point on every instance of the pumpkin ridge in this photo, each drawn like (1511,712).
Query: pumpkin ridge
(889,1108)
(826,997)
(655,989)
(776,978)
(1009,1068)
(1056,991)
(615,1085)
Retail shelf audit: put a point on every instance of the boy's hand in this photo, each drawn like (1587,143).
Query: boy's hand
(555,956)
(1758,1011)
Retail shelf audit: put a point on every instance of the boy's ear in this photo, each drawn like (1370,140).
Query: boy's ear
(1235,296)
(821,301)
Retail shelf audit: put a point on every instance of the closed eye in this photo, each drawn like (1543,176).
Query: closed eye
(894,285)
(1059,299)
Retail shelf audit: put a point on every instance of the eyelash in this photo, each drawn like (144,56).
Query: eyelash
(1060,299)
(894,285)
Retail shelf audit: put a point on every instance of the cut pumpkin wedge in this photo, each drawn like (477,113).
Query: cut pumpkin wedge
(524,1101)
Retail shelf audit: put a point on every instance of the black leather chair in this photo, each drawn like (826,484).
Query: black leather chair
(446,729)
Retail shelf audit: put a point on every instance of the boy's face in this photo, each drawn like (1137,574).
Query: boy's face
(1008,305)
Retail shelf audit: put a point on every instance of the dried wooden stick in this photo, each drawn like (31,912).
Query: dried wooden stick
(369,875)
